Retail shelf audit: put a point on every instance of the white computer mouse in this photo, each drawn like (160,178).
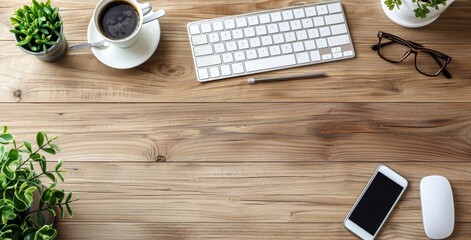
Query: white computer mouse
(438,211)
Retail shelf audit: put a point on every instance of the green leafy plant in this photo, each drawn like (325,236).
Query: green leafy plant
(422,6)
(37,27)
(19,184)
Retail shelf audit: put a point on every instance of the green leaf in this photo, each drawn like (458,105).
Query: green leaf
(46,232)
(68,197)
(50,176)
(62,211)
(58,165)
(60,176)
(50,151)
(28,146)
(6,138)
(40,137)
(69,210)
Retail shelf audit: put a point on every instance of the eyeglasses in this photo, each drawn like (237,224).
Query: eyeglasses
(427,61)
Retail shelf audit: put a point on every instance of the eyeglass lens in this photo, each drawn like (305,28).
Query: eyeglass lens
(396,50)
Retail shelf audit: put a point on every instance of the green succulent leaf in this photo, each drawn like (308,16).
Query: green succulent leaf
(45,233)
(50,151)
(6,138)
(40,139)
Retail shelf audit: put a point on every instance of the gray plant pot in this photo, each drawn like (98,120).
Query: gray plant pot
(54,52)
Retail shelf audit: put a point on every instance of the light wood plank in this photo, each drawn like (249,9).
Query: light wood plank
(232,132)
(169,75)
(179,231)
(277,192)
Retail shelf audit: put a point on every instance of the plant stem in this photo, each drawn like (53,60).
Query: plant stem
(40,148)
(44,209)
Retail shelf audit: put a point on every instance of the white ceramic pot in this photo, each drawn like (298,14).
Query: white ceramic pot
(405,15)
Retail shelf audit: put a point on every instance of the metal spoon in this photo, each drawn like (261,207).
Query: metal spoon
(101,44)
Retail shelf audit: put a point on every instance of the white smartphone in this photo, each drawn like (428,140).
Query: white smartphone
(375,203)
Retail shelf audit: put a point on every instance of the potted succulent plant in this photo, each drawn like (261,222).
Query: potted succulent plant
(26,199)
(38,30)
(414,13)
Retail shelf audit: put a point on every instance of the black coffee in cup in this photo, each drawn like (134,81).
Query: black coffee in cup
(118,20)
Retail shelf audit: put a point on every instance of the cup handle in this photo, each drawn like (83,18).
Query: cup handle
(146,7)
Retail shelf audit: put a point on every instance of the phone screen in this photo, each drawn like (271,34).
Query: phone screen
(375,203)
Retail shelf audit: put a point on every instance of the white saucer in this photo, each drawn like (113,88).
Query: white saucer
(124,58)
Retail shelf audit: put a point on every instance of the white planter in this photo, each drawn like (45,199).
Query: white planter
(405,15)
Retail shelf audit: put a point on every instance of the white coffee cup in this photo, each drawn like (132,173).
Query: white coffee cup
(144,14)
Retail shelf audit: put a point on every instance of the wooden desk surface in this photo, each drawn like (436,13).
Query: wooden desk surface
(153,154)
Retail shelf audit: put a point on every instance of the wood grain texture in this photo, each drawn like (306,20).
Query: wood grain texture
(268,192)
(253,132)
(153,154)
(288,231)
(168,76)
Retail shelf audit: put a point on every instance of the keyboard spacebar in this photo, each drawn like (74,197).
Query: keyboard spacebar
(269,63)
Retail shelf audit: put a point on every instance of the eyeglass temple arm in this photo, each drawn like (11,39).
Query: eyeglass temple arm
(444,71)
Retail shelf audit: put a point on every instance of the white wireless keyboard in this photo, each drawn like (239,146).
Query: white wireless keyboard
(269,40)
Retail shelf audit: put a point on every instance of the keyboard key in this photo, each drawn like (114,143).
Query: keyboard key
(287,15)
(302,57)
(276,17)
(301,35)
(249,32)
(237,68)
(214,72)
(338,40)
(243,44)
(298,47)
(273,28)
(278,38)
(336,49)
(263,52)
(227,58)
(219,48)
(231,46)
(321,43)
(255,42)
(203,50)
(270,63)
(286,48)
(326,56)
(241,22)
(299,13)
(208,60)
(225,36)
(295,25)
(307,23)
(264,18)
(310,11)
(199,39)
(261,30)
(348,53)
(217,26)
(266,40)
(237,34)
(251,54)
(253,20)
(284,26)
(206,28)
(203,73)
(338,29)
(315,56)
(334,8)
(290,37)
(230,24)
(324,31)
(194,29)
(322,9)
(334,19)
(274,50)
(213,37)
(225,70)
(337,54)
(310,44)
(313,33)
(239,56)
(318,21)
